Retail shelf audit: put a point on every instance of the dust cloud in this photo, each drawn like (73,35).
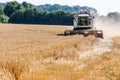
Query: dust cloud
(110,27)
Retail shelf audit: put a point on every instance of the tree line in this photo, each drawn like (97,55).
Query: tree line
(26,13)
(56,7)
(114,15)
(32,16)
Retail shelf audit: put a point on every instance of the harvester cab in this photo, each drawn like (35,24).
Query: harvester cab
(83,19)
(84,24)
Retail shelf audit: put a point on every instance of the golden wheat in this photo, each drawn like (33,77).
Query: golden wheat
(40,52)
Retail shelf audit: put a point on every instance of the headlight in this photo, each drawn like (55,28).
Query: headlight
(85,32)
(99,32)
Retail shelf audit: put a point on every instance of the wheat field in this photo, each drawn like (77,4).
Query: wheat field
(41,52)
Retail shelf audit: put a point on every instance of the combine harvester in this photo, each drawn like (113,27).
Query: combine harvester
(84,24)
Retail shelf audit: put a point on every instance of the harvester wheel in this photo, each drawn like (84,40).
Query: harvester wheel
(100,35)
(85,35)
(67,32)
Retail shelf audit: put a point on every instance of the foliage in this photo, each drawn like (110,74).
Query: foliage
(10,8)
(1,11)
(51,8)
(114,15)
(16,17)
(44,14)
(3,17)
(27,5)
(57,7)
(32,16)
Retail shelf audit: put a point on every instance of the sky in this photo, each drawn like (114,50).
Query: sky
(103,6)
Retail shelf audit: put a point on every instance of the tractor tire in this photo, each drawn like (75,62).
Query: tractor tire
(100,36)
(67,32)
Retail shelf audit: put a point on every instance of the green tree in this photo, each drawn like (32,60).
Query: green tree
(17,17)
(33,16)
(60,18)
(10,8)
(30,16)
(114,15)
(20,7)
(27,5)
(1,11)
(3,17)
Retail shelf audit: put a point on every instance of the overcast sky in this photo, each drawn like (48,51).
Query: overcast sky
(103,6)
